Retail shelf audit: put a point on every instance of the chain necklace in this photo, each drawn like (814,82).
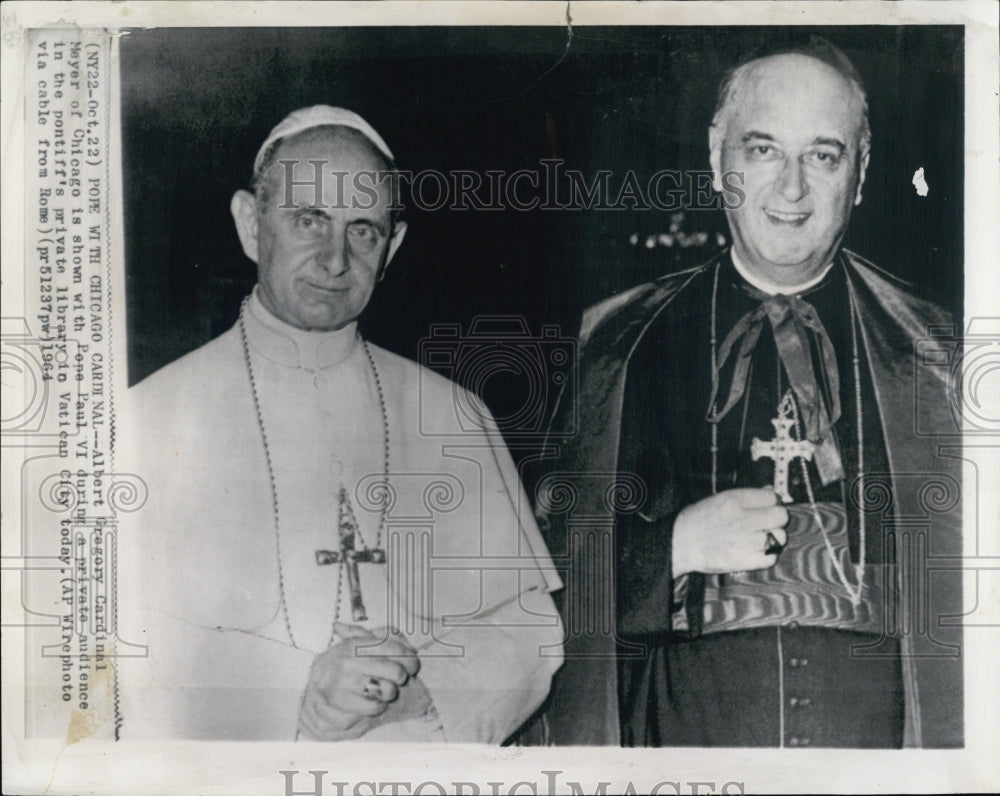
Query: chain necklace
(853,592)
(274,485)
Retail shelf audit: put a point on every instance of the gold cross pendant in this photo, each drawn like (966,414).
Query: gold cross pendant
(783,449)
(350,555)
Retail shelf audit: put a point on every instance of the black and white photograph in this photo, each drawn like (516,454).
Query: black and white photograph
(500,397)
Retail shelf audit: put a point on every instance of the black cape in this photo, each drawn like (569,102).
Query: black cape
(907,343)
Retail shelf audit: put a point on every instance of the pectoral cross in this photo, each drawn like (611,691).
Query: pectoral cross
(783,449)
(350,556)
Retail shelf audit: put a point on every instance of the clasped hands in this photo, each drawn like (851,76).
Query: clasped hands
(350,693)
(728,532)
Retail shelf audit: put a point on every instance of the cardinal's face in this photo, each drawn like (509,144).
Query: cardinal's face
(793,129)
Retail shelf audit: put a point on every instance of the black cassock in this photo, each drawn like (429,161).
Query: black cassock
(781,657)
(785,680)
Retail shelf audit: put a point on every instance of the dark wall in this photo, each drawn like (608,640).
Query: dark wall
(198,102)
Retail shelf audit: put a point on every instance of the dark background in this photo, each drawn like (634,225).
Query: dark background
(197,103)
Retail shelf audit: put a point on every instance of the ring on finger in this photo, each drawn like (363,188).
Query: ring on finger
(772,545)
(372,689)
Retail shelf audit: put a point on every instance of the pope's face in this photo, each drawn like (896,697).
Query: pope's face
(794,131)
(324,233)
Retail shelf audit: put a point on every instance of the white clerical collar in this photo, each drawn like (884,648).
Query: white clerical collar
(770,287)
(287,345)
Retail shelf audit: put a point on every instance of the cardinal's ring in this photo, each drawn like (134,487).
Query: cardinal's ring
(372,689)
(771,545)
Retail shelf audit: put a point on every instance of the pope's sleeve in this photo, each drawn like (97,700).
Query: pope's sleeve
(180,689)
(179,677)
(489,669)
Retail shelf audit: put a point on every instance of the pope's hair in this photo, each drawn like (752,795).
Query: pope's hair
(260,183)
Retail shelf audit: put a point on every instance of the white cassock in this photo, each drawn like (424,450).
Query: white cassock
(467,577)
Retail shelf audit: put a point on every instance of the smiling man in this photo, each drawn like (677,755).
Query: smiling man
(801,146)
(766,589)
(283,571)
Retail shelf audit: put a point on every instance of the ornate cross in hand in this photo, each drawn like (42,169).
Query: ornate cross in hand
(783,449)
(350,556)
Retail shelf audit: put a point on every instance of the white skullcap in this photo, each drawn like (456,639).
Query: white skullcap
(317,116)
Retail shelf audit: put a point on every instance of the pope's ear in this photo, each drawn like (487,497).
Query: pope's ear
(862,169)
(715,155)
(395,240)
(244,210)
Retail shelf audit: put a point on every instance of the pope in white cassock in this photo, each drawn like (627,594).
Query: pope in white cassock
(308,564)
